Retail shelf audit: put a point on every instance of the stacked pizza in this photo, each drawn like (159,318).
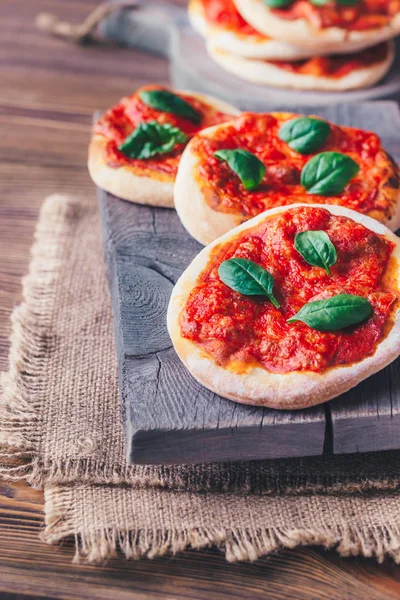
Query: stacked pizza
(304,44)
(295,299)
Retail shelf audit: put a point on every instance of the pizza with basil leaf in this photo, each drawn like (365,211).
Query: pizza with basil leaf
(292,308)
(324,26)
(338,72)
(137,144)
(231,172)
(221,24)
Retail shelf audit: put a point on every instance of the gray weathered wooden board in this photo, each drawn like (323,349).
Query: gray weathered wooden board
(368,418)
(169,417)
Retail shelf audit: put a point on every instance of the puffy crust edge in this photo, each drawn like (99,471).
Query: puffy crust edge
(122,181)
(262,72)
(246,46)
(294,390)
(206,224)
(300,32)
(202,222)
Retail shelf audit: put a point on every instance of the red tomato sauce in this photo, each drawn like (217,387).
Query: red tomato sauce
(123,118)
(335,66)
(241,331)
(258,133)
(367,14)
(223,13)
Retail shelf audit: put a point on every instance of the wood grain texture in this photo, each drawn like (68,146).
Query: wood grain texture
(30,570)
(367,418)
(370,420)
(47,94)
(170,418)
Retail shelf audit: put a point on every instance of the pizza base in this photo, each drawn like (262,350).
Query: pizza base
(206,224)
(202,222)
(266,73)
(330,40)
(246,46)
(124,183)
(293,390)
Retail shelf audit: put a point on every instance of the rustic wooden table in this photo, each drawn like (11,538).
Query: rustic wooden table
(48,92)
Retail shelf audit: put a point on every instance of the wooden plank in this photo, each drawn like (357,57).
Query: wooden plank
(368,417)
(170,418)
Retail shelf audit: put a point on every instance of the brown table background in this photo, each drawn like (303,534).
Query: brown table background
(48,92)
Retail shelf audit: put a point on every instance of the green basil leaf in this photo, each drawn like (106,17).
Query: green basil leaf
(334,313)
(305,134)
(246,165)
(278,3)
(328,173)
(316,248)
(247,278)
(152,138)
(347,2)
(319,2)
(166,101)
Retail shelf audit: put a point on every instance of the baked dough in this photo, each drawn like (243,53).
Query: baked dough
(301,32)
(143,186)
(243,44)
(196,200)
(256,385)
(268,73)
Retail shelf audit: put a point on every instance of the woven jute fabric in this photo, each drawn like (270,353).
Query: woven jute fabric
(60,416)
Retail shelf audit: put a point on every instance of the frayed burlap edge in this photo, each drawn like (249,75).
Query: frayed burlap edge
(153,523)
(194,478)
(29,341)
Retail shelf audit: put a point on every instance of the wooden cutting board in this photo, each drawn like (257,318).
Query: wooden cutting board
(169,417)
(164,29)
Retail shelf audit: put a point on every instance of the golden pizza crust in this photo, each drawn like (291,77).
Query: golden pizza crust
(243,45)
(202,222)
(257,386)
(206,224)
(259,71)
(127,183)
(330,40)
(124,183)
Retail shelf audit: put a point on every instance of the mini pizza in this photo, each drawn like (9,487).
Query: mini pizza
(232,172)
(290,309)
(222,25)
(325,26)
(137,144)
(323,73)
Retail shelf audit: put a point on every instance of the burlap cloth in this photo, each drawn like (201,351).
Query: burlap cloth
(60,418)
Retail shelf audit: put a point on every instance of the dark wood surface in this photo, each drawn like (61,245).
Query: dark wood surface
(48,93)
(170,418)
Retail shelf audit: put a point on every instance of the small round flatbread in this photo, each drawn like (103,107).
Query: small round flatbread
(220,23)
(324,29)
(327,74)
(210,199)
(244,349)
(145,181)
